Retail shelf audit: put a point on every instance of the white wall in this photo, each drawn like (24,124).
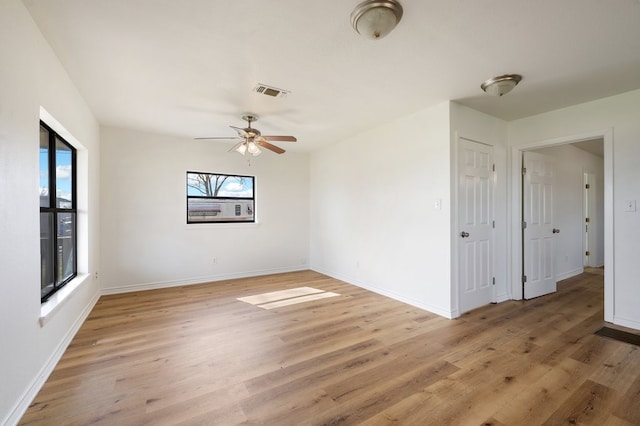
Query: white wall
(619,116)
(568,214)
(373,221)
(146,242)
(30,78)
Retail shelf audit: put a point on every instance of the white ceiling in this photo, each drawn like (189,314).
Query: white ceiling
(592,146)
(188,67)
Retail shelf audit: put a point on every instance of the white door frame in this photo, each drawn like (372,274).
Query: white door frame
(515,213)
(589,210)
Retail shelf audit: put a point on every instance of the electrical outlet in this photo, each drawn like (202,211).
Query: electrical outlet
(96,275)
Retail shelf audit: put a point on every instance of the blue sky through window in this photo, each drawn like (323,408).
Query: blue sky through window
(233,186)
(63,173)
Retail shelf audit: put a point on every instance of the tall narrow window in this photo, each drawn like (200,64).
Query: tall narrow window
(57,212)
(218,198)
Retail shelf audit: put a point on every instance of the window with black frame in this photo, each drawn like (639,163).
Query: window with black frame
(220,198)
(58,247)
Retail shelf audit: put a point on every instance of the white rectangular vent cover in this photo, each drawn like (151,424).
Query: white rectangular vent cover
(263,89)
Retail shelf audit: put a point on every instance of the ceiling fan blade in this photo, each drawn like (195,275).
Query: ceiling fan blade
(270,147)
(220,138)
(240,131)
(280,138)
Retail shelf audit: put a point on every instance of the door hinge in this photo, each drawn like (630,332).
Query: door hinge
(524,171)
(493,168)
(493,224)
(493,281)
(586,219)
(524,225)
(587,253)
(587,186)
(524,279)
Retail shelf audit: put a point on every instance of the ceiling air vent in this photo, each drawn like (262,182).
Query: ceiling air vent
(274,92)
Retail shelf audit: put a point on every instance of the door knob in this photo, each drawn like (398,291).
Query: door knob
(556,231)
(464,234)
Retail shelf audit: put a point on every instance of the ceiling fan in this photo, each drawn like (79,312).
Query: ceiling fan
(251,139)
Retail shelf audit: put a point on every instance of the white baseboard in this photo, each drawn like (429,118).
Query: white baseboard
(449,314)
(569,274)
(502,298)
(197,280)
(32,390)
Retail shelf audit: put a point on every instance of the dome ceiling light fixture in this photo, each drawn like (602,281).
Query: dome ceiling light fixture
(374,19)
(501,85)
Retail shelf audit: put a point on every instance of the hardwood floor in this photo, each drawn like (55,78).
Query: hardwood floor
(197,356)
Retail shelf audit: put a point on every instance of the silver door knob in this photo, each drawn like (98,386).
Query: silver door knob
(556,231)
(464,234)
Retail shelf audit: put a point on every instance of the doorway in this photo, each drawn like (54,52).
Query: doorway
(517,263)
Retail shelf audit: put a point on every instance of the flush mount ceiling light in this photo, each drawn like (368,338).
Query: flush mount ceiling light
(375,19)
(501,85)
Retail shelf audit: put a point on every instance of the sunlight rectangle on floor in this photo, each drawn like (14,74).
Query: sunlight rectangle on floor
(279,295)
(291,296)
(295,300)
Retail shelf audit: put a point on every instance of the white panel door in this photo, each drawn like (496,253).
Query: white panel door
(475,224)
(538,232)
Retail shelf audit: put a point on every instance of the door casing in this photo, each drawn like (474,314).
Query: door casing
(515,213)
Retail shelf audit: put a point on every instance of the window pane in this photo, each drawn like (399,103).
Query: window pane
(46,253)
(66,245)
(63,175)
(44,167)
(212,185)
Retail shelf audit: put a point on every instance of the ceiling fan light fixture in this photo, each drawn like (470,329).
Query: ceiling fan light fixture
(251,140)
(374,19)
(242,148)
(253,149)
(501,85)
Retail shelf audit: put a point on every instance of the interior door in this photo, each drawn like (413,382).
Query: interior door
(475,224)
(538,231)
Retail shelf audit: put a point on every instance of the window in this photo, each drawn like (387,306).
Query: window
(218,198)
(58,263)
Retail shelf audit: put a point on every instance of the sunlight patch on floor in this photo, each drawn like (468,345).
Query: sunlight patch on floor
(292,296)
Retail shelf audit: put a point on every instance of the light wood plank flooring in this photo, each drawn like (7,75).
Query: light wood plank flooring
(197,356)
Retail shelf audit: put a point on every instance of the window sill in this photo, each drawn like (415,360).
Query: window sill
(226,225)
(53,305)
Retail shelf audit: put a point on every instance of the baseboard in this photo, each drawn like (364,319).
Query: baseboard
(449,314)
(502,298)
(197,280)
(29,395)
(569,274)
